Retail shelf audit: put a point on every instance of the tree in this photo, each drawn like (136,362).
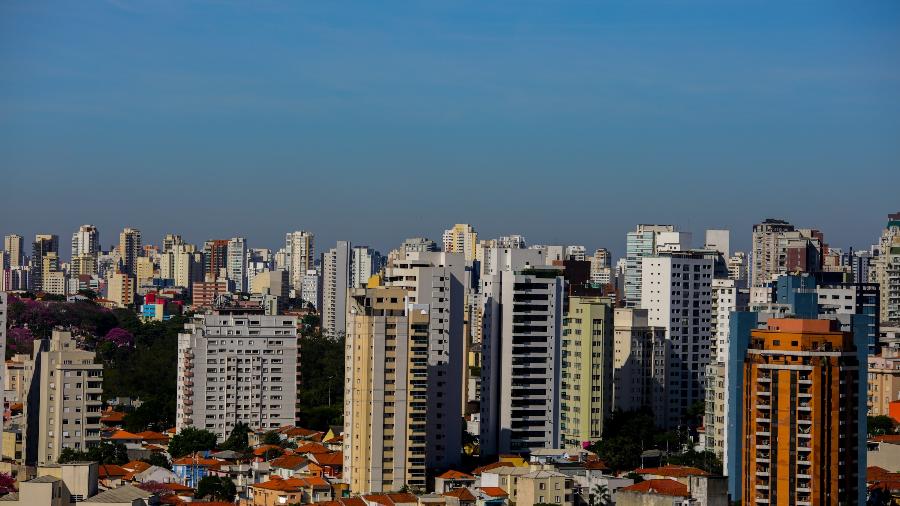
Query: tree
(104,453)
(190,440)
(705,460)
(158,459)
(879,425)
(237,441)
(7,483)
(271,438)
(322,371)
(119,337)
(216,488)
(600,496)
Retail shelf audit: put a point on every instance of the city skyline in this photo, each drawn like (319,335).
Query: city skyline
(565,124)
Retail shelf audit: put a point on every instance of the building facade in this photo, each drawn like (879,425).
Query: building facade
(462,239)
(237,368)
(335,283)
(300,253)
(641,361)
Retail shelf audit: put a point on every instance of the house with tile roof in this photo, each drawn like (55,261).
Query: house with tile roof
(451,480)
(398,499)
(460,497)
(656,492)
(286,466)
(295,490)
(192,468)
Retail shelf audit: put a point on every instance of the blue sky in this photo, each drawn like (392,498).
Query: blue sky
(568,122)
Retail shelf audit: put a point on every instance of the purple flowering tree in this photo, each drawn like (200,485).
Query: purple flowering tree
(20,340)
(119,337)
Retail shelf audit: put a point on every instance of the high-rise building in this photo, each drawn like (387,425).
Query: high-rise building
(576,252)
(311,288)
(242,367)
(259,260)
(718,240)
(299,256)
(215,259)
(63,400)
(86,241)
(130,249)
(14,246)
(182,264)
(780,248)
(587,369)
(800,415)
(42,246)
(886,270)
(386,402)
(727,296)
(121,289)
(237,263)
(335,282)
(642,359)
(883,381)
(737,268)
(83,265)
(170,241)
(677,293)
(463,239)
(437,280)
(648,240)
(271,283)
(522,319)
(419,244)
(364,262)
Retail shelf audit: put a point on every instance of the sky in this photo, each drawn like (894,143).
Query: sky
(568,122)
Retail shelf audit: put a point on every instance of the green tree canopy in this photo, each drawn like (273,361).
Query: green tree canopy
(190,440)
(216,488)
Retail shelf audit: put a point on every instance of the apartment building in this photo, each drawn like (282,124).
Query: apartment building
(642,358)
(236,263)
(522,318)
(237,368)
(63,399)
(883,381)
(643,241)
(335,283)
(886,270)
(14,246)
(799,415)
(86,241)
(43,245)
(386,398)
(300,253)
(462,239)
(587,369)
(364,262)
(677,294)
(129,249)
(438,280)
(727,296)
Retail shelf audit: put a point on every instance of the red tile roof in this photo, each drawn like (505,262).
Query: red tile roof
(311,448)
(456,475)
(332,459)
(200,461)
(289,461)
(478,470)
(111,471)
(887,438)
(672,471)
(660,487)
(462,494)
(124,435)
(292,484)
(261,450)
(494,491)
(137,466)
(391,499)
(149,435)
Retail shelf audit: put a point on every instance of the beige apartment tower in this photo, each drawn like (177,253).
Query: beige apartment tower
(62,408)
(385,405)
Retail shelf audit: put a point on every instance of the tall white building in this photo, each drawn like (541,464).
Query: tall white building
(576,252)
(643,241)
(62,408)
(718,240)
(236,264)
(299,255)
(86,241)
(237,368)
(438,281)
(727,296)
(335,282)
(259,260)
(677,294)
(14,246)
(311,289)
(130,249)
(522,319)
(364,262)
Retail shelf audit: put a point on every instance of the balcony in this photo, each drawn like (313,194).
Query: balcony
(189,374)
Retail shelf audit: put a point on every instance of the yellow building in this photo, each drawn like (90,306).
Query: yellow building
(121,289)
(462,238)
(385,405)
(884,381)
(587,369)
(543,486)
(144,271)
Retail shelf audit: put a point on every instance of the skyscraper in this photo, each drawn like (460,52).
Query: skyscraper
(237,263)
(800,415)
(130,249)
(522,319)
(642,358)
(43,245)
(886,269)
(587,369)
(647,240)
(364,262)
(215,259)
(779,248)
(677,293)
(300,252)
(335,282)
(14,246)
(463,239)
(86,241)
(386,404)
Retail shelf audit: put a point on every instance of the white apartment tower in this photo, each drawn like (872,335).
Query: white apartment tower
(522,319)
(63,400)
(335,282)
(237,368)
(677,294)
(643,241)
(14,246)
(129,250)
(236,264)
(768,259)
(438,280)
(364,262)
(86,241)
(299,255)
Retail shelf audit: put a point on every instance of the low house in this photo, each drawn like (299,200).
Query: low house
(884,451)
(656,492)
(492,496)
(111,475)
(193,468)
(126,495)
(451,480)
(398,499)
(286,466)
(460,497)
(297,490)
(331,463)
(544,486)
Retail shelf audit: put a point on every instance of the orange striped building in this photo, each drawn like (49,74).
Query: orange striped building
(800,411)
